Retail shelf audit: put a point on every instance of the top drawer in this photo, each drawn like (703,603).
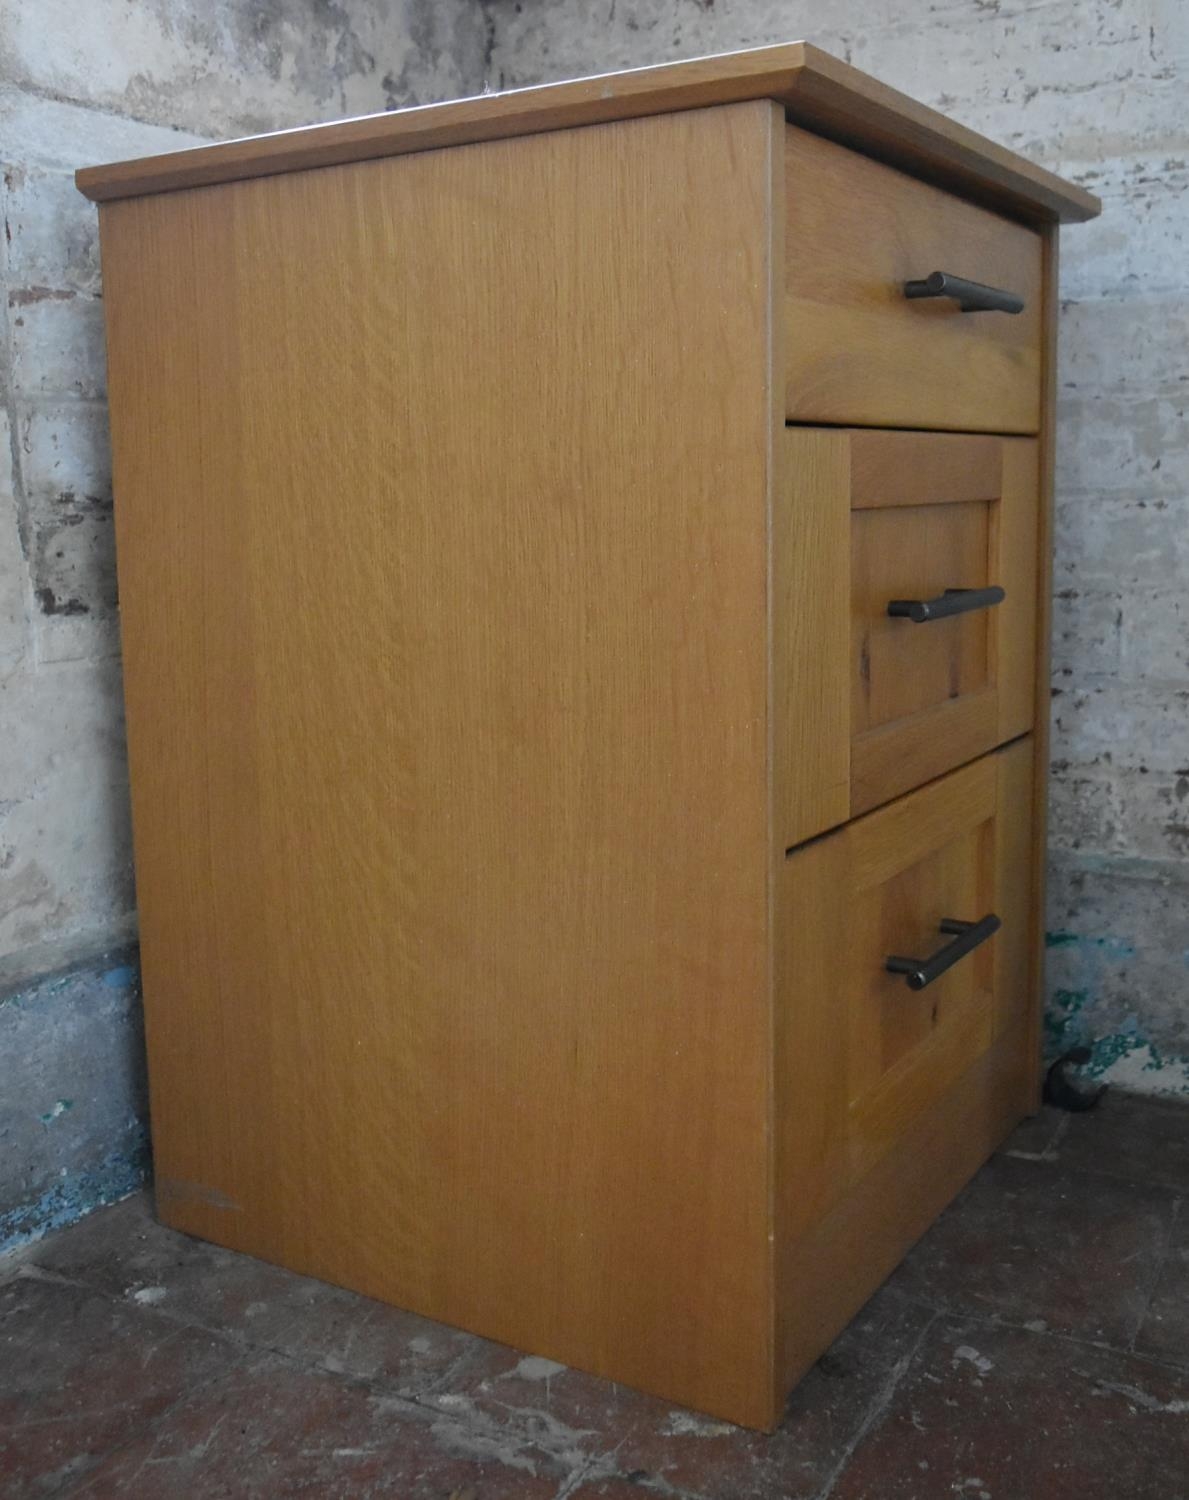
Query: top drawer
(860,352)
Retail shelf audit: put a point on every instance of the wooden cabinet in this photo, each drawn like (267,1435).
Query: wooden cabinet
(530,784)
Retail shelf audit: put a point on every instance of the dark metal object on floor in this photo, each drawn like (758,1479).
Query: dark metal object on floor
(1066,1089)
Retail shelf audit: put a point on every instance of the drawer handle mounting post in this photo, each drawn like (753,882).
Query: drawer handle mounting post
(971,296)
(952,602)
(918,972)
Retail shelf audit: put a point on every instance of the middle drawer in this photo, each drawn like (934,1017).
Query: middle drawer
(905,593)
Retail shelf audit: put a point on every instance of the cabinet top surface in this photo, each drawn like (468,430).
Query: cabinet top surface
(816,90)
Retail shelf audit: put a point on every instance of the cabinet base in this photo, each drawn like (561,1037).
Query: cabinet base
(833,1269)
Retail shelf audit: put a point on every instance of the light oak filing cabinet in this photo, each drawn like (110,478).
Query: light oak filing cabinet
(549,713)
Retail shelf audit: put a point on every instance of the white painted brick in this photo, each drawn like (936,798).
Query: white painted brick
(1123,445)
(1137,247)
(57,346)
(66,469)
(1126,930)
(73,564)
(1153,814)
(1046,79)
(1129,814)
(1108,722)
(1155,636)
(1067,81)
(534,43)
(65,450)
(232,67)
(52,232)
(93,637)
(1082,813)
(1126,347)
(13,581)
(36,131)
(1085,632)
(65,852)
(1113,542)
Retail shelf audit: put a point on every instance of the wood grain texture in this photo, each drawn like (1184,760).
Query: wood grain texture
(488,641)
(904,753)
(811,646)
(828,1273)
(858,352)
(867,707)
(923,468)
(1032,1065)
(777,462)
(815,89)
(928,697)
(887,1101)
(447,696)
(1018,531)
(1016,902)
(900,669)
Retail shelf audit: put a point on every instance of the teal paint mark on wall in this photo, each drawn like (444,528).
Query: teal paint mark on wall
(1062,1029)
(1112,947)
(1082,962)
(1106,1051)
(1089,967)
(73,1106)
(75,1194)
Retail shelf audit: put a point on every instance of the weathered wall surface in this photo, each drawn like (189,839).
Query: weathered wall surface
(1097,90)
(79,84)
(73,1126)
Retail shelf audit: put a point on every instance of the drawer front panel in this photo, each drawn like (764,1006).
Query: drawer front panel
(914,554)
(866,1053)
(927,696)
(858,350)
(871,704)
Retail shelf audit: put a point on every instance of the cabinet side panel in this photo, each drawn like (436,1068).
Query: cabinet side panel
(1044,630)
(441,490)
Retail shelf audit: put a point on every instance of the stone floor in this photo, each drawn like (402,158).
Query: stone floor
(1034,1344)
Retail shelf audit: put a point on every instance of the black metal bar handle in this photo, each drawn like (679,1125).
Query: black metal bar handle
(971,296)
(952,602)
(918,972)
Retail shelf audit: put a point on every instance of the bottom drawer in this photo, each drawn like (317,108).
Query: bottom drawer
(936,885)
(889,1097)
